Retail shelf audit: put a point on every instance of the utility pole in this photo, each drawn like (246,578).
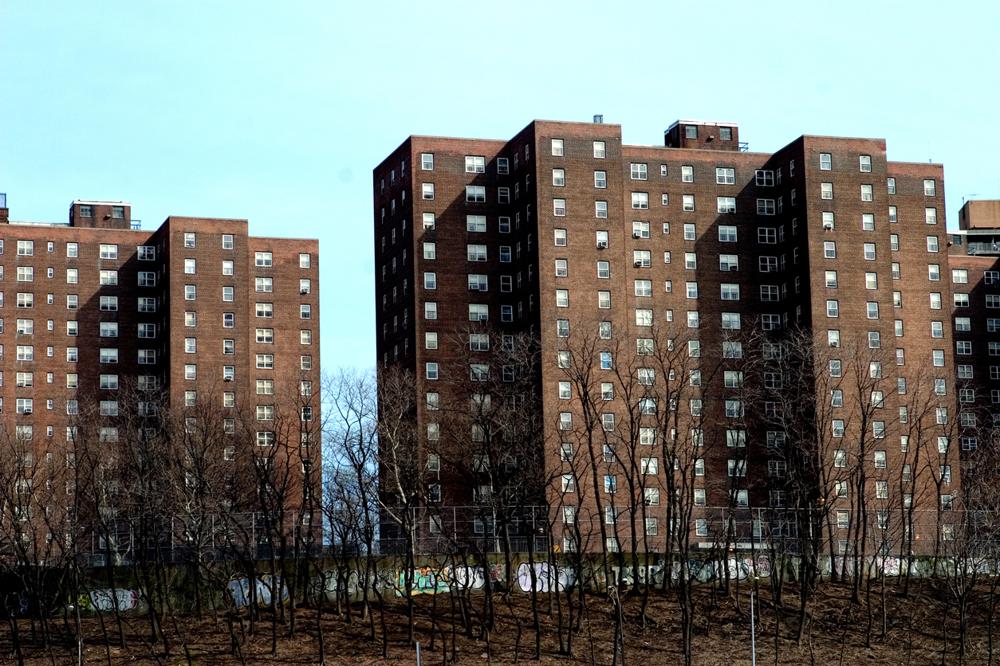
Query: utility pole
(753,628)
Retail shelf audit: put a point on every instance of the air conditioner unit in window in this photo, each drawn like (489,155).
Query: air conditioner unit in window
(227,379)
(734,267)
(828,226)
(601,245)
(482,317)
(27,410)
(636,234)
(638,264)
(303,291)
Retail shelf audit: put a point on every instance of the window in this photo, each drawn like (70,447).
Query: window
(475,164)
(729,262)
(687,203)
(725,176)
(930,215)
(640,200)
(764,178)
(638,171)
(25,248)
(109,278)
(929,187)
(726,204)
(687,174)
(600,150)
(108,251)
(736,467)
(478,312)
(476,253)
(557,147)
(189,239)
(765,207)
(426,161)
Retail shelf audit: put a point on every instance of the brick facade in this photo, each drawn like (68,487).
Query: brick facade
(701,242)
(102,310)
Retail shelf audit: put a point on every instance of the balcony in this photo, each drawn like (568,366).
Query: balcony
(980,247)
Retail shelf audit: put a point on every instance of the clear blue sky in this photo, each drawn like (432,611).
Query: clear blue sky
(278,111)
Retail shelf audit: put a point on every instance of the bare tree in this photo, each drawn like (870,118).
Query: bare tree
(401,462)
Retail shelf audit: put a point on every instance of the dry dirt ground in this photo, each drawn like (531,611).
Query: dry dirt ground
(920,629)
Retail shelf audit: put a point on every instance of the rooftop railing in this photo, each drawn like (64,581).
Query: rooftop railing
(3,199)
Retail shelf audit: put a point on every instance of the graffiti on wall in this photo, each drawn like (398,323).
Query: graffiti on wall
(545,578)
(426,580)
(737,568)
(239,591)
(649,573)
(466,577)
(108,600)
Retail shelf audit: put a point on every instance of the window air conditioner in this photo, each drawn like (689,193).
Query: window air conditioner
(303,291)
(636,234)
(27,410)
(827,226)
(227,379)
(638,264)
(734,267)
(601,245)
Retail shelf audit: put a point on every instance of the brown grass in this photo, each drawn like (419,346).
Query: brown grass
(920,630)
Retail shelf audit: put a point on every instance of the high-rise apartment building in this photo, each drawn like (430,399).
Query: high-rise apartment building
(105,328)
(748,330)
(974,252)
